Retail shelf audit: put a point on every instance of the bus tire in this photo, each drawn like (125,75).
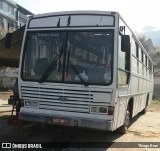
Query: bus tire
(145,109)
(124,128)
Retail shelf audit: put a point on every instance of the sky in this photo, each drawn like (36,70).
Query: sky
(137,13)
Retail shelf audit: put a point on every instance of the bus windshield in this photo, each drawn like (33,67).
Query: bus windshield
(76,57)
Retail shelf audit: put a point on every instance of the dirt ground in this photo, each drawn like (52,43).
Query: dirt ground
(5,95)
(144,130)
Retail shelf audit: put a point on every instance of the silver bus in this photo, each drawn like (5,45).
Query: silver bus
(83,69)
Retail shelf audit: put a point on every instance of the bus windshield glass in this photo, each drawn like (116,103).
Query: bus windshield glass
(75,57)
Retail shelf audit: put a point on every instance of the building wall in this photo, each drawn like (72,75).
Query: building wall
(22,19)
(8,76)
(12,13)
(156,81)
(8,11)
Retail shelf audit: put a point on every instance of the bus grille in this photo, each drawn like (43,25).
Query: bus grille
(60,99)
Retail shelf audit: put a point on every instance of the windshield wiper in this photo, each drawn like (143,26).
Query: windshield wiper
(79,76)
(51,66)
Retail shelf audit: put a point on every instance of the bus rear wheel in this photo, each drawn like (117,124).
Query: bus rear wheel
(145,109)
(146,105)
(124,128)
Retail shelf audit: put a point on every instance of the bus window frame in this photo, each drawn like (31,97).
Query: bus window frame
(76,30)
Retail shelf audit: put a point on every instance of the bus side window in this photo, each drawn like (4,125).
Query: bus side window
(123,65)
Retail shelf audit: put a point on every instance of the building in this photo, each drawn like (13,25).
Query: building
(22,14)
(156,81)
(8,11)
(12,15)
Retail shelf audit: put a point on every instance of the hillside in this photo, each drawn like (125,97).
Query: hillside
(150,38)
(152,34)
(155,55)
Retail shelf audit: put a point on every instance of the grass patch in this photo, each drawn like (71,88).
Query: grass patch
(156,101)
(2,89)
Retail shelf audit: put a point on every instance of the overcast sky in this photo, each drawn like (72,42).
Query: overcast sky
(137,13)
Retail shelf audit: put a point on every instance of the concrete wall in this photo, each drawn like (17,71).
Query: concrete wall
(156,91)
(8,76)
(156,81)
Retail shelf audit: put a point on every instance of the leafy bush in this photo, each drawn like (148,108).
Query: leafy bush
(2,89)
(2,33)
(156,100)
(155,55)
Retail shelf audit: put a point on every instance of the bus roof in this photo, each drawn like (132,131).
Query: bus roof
(75,12)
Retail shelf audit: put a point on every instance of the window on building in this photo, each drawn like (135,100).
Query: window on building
(12,10)
(1,4)
(1,22)
(9,8)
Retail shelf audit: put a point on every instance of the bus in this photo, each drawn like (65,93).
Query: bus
(84,69)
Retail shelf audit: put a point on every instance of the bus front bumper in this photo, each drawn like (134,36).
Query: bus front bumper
(80,122)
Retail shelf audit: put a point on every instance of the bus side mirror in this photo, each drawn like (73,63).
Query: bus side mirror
(8,40)
(125,43)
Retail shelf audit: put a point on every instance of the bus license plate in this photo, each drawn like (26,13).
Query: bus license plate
(60,120)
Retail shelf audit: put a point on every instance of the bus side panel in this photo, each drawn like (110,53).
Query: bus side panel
(135,106)
(120,111)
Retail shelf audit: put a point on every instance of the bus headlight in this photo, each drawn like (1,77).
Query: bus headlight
(94,109)
(28,103)
(32,104)
(99,109)
(103,110)
(35,103)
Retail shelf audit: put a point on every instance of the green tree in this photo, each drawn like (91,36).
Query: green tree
(2,32)
(142,39)
(155,55)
